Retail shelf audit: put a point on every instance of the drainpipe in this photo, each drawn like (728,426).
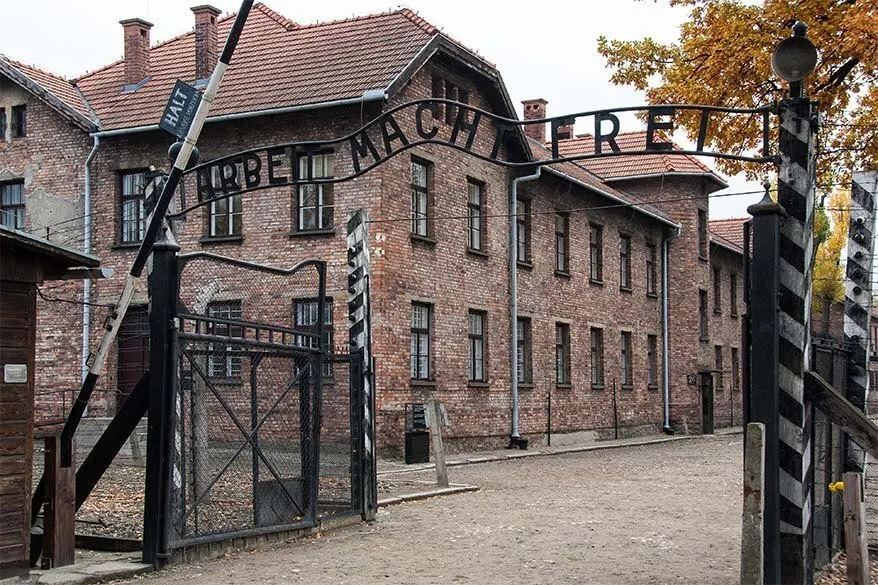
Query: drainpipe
(86,248)
(666,353)
(513,300)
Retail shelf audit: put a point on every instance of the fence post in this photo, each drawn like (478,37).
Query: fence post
(855,529)
(360,337)
(434,418)
(795,192)
(752,558)
(162,301)
(764,370)
(858,300)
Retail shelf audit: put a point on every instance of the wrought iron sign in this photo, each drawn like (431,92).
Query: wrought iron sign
(474,131)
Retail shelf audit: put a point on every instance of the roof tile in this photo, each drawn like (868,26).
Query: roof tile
(622,166)
(277,63)
(729,232)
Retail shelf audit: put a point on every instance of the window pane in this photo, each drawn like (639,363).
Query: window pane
(419,174)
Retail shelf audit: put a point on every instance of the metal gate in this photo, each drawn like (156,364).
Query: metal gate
(829,359)
(264,425)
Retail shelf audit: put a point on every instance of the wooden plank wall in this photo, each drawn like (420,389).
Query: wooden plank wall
(17,331)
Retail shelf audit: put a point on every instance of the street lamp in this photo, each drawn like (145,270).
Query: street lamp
(795,58)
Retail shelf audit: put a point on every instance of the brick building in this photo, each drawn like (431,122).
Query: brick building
(621,282)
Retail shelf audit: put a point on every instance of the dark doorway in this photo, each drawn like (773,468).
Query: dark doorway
(133,351)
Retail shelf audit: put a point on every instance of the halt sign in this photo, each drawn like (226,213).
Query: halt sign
(180,109)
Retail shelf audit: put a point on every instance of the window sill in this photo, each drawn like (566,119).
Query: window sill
(525,386)
(704,339)
(125,246)
(596,282)
(652,387)
(733,315)
(525,264)
(715,312)
(226,381)
(423,383)
(598,387)
(703,258)
(651,295)
(474,252)
(562,273)
(563,386)
(627,387)
(479,385)
(311,233)
(422,239)
(208,240)
(626,289)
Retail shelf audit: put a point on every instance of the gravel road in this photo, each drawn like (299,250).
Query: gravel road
(664,513)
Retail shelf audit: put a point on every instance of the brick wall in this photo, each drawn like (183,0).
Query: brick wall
(437,270)
(50,161)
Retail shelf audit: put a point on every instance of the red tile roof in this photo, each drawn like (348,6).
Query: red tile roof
(62,89)
(622,166)
(728,232)
(577,173)
(277,63)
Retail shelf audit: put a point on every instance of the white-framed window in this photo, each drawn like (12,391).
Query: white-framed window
(133,212)
(305,314)
(12,204)
(420,198)
(421,327)
(222,361)
(314,203)
(477,346)
(226,213)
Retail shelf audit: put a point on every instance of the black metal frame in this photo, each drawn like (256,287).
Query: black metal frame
(174,338)
(391,136)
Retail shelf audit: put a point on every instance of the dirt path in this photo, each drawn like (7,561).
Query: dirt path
(665,513)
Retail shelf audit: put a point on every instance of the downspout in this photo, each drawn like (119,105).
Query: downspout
(514,438)
(86,248)
(666,353)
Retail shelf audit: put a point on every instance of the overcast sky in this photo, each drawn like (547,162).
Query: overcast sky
(545,48)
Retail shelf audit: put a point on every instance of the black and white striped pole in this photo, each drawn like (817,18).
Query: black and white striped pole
(794,59)
(360,337)
(858,301)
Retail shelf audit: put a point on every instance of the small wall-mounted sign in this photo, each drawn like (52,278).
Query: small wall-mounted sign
(15,373)
(692,379)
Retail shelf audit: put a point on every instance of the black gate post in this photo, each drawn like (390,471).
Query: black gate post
(162,300)
(764,371)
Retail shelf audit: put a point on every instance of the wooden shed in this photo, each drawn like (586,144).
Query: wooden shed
(25,262)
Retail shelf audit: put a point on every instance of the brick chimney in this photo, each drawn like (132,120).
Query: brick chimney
(565,131)
(533,110)
(205,40)
(136,49)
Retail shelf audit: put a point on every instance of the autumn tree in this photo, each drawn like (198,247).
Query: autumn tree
(828,268)
(723,57)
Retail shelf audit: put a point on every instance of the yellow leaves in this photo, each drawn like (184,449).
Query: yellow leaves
(723,57)
(828,269)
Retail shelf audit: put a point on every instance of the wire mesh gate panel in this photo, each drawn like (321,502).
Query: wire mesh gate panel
(262,414)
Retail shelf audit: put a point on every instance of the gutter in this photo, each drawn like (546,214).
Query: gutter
(371,95)
(666,353)
(515,437)
(612,197)
(86,245)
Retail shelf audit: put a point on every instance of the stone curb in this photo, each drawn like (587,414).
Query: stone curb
(561,451)
(86,575)
(457,489)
